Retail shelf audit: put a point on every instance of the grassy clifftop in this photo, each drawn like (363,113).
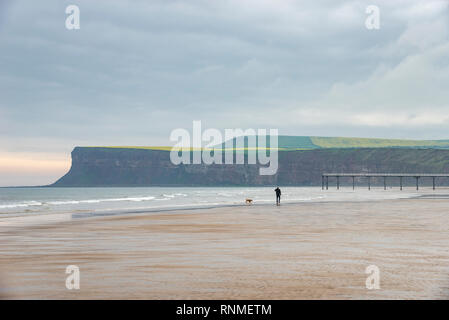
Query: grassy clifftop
(335,142)
(291,143)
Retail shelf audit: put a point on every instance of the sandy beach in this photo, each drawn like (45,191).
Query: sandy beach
(295,251)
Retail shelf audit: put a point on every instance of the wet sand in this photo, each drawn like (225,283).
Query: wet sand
(297,251)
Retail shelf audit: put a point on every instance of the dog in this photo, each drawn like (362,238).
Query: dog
(249,201)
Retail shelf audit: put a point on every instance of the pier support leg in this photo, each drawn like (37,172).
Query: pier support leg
(433,178)
(353,183)
(401,182)
(385,183)
(327,182)
(417,183)
(369,183)
(338,183)
(322,182)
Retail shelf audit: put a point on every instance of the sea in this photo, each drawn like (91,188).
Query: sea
(101,201)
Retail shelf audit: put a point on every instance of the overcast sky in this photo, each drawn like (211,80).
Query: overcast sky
(136,70)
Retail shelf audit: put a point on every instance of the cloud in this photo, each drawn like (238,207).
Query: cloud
(398,119)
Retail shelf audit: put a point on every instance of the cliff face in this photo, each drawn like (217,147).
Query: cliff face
(140,167)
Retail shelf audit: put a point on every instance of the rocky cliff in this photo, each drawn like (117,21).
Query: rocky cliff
(141,167)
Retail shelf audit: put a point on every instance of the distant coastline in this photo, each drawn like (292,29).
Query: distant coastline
(301,163)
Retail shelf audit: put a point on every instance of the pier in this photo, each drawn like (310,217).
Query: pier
(400,176)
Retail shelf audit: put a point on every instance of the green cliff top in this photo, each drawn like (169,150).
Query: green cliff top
(291,143)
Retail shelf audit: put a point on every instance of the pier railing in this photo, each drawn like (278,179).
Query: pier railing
(401,176)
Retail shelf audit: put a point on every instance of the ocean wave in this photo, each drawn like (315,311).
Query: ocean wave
(72,202)
(173,195)
(134,199)
(21,205)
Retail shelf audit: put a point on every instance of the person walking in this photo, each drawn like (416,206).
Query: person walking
(278,196)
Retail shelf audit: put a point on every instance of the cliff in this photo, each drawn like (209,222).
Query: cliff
(145,167)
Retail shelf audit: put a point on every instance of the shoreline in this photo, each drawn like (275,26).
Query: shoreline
(68,202)
(39,218)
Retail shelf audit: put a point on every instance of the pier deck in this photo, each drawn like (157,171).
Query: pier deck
(401,176)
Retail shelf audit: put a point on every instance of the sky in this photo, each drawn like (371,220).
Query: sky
(136,70)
